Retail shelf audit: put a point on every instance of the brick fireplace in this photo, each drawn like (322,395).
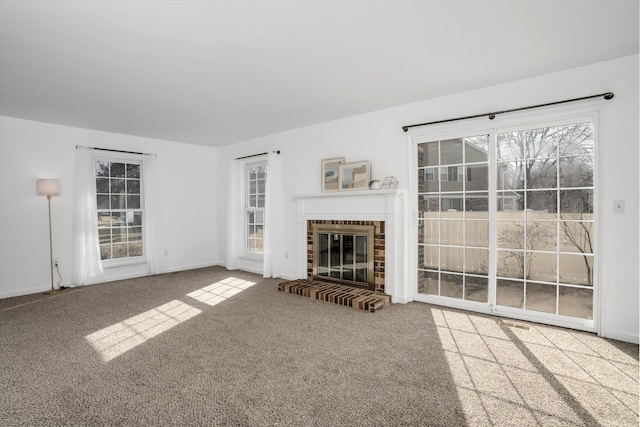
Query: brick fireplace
(382,209)
(376,255)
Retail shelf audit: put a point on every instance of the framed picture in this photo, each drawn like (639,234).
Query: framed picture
(355,175)
(331,174)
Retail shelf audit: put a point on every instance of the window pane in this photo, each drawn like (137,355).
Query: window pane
(428,282)
(511,176)
(103,201)
(476,149)
(102,169)
(427,180)
(476,261)
(428,154)
(428,231)
(119,250)
(102,185)
(105,252)
(133,202)
(451,206)
(451,259)
(511,264)
(510,293)
(510,234)
(576,302)
(541,174)
(542,266)
(510,146)
(451,285)
(133,186)
(541,297)
(135,249)
(118,234)
(104,235)
(576,237)
(576,171)
(117,170)
(477,205)
(452,233)
(477,177)
(542,201)
(260,200)
(477,232)
(135,234)
(117,185)
(449,179)
(118,202)
(575,139)
(576,269)
(451,151)
(576,201)
(541,235)
(428,203)
(428,257)
(476,289)
(512,202)
(133,171)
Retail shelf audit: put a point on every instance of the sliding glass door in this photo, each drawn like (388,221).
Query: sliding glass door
(506,219)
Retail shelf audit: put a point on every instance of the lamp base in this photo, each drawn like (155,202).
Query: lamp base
(53,291)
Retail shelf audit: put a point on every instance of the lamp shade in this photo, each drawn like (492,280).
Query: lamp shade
(48,187)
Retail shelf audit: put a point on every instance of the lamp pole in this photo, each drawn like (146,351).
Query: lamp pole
(50,244)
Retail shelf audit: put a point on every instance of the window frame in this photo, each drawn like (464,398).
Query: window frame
(126,159)
(547,117)
(260,161)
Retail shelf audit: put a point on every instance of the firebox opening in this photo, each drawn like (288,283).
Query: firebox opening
(344,253)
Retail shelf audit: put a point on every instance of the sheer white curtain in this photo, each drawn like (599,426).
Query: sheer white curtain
(154,251)
(234,215)
(272,227)
(87,266)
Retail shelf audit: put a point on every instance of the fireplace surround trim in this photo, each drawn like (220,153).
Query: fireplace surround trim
(371,205)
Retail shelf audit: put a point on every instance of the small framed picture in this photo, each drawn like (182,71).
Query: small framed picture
(355,175)
(331,174)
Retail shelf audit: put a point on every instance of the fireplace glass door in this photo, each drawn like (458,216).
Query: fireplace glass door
(345,256)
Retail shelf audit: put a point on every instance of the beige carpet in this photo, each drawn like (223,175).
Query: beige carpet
(212,347)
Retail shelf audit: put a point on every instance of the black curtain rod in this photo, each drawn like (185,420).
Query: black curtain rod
(606,95)
(256,155)
(117,151)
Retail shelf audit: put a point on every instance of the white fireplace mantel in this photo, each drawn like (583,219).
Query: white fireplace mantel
(371,205)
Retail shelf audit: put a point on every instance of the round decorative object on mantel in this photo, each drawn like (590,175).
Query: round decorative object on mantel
(390,183)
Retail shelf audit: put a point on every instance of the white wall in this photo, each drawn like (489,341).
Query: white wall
(30,150)
(378,137)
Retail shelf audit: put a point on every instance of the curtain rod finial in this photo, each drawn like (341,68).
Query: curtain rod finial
(608,95)
(405,128)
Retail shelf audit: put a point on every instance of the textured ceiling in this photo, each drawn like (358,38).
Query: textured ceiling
(220,72)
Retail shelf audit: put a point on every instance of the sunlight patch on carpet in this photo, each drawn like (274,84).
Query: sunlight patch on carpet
(121,337)
(220,291)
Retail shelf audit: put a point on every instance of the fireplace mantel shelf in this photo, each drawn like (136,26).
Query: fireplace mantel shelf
(351,193)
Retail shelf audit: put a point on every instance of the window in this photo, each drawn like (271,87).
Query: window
(525,243)
(120,209)
(256,182)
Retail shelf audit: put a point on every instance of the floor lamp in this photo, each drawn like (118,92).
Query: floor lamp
(49,187)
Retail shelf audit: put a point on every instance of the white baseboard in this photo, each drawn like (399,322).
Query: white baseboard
(193,267)
(622,337)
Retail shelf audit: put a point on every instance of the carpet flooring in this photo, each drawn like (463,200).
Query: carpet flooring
(359,299)
(212,347)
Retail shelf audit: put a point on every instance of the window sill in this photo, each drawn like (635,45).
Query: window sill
(248,257)
(123,263)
